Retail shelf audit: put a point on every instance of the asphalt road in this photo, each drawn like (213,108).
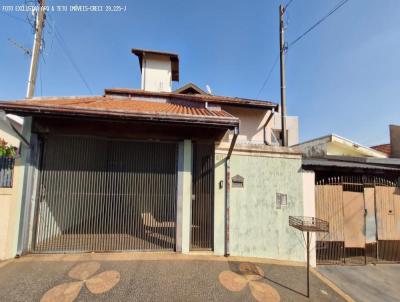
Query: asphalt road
(156,280)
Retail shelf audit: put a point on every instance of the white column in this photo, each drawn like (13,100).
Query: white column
(184,197)
(309,210)
(24,183)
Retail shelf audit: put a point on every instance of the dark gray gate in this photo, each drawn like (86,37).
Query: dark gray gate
(106,195)
(203,197)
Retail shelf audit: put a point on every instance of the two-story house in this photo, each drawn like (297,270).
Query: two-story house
(158,169)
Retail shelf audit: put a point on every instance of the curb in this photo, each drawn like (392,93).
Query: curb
(161,256)
(332,285)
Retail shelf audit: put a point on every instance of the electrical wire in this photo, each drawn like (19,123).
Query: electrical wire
(268,76)
(273,64)
(287,5)
(15,17)
(68,54)
(339,5)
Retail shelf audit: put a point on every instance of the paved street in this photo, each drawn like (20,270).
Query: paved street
(161,278)
(366,283)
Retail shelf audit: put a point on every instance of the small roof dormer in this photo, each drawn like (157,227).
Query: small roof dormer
(158,69)
(190,88)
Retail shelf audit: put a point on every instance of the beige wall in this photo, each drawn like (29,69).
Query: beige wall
(156,73)
(252,122)
(9,207)
(292,126)
(7,134)
(9,216)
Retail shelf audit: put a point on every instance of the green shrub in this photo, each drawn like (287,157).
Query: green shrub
(7,150)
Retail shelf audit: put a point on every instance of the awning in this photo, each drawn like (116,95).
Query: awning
(315,163)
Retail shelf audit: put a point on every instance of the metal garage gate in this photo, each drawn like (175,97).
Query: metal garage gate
(106,195)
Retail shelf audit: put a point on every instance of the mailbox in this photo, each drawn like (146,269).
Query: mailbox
(237,181)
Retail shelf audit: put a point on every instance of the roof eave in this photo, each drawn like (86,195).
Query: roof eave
(211,121)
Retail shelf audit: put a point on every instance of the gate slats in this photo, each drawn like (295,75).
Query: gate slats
(333,248)
(106,195)
(202,205)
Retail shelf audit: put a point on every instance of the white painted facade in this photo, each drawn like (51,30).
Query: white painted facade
(156,73)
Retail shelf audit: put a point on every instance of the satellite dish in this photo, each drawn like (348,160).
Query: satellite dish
(208,89)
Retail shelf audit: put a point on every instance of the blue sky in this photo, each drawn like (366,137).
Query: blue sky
(342,78)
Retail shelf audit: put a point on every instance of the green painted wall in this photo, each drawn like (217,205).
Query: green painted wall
(257,227)
(219,205)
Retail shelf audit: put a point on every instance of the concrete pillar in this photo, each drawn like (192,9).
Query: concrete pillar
(184,197)
(309,209)
(219,205)
(23,194)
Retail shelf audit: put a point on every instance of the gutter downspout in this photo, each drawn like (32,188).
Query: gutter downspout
(265,127)
(227,189)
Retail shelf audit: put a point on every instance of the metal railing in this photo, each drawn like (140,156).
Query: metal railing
(6,172)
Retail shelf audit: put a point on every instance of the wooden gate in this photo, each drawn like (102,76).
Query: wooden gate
(364,220)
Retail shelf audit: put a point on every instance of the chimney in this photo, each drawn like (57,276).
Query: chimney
(395,140)
(158,69)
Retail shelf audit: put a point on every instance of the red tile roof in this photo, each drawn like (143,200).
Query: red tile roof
(384,148)
(202,98)
(120,108)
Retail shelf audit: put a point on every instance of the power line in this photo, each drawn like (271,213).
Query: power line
(287,5)
(339,5)
(268,76)
(26,51)
(68,54)
(15,17)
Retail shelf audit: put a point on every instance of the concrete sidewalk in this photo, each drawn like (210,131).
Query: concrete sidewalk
(143,277)
(367,283)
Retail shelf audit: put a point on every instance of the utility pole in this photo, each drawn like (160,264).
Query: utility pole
(282,48)
(40,15)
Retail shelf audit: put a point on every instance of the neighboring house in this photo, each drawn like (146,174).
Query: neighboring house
(156,169)
(335,145)
(357,192)
(393,148)
(10,185)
